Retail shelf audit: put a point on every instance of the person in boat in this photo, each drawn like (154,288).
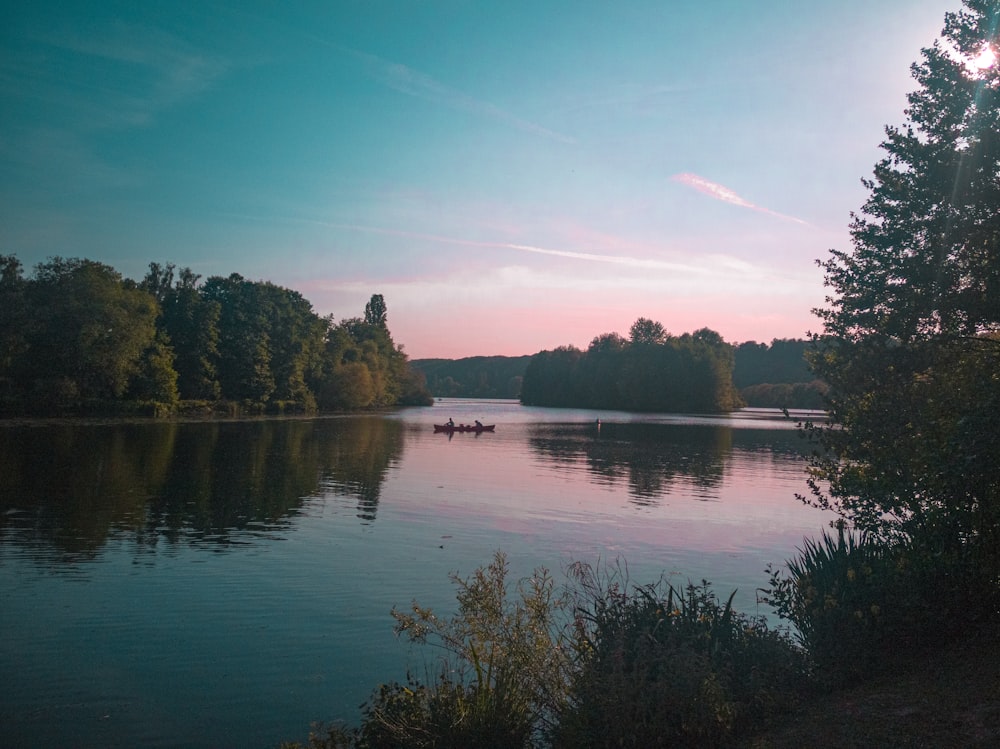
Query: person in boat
(479,424)
(451,422)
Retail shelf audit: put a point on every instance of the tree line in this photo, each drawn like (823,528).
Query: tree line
(474,376)
(76,336)
(777,375)
(774,375)
(649,371)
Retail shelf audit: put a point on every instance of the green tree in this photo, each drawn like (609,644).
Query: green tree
(551,378)
(192,323)
(156,378)
(647,332)
(270,341)
(13,319)
(88,331)
(363,367)
(909,346)
(376,314)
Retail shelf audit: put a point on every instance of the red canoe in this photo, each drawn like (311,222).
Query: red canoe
(464,428)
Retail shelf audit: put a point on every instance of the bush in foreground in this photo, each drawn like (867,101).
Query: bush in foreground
(658,666)
(862,604)
(602,663)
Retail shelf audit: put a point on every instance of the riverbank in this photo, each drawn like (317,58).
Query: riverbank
(947,699)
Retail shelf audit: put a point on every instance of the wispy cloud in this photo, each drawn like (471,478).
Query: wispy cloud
(593,257)
(155,71)
(411,82)
(723,193)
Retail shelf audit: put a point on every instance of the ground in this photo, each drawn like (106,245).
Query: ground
(946,700)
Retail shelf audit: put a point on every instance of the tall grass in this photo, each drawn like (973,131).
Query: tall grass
(863,605)
(598,662)
(658,666)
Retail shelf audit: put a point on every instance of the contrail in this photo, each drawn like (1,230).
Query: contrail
(723,193)
(625,260)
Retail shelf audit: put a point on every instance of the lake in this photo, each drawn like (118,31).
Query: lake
(226,583)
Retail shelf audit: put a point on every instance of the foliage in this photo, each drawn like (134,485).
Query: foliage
(191,322)
(652,372)
(475,376)
(810,395)
(781,362)
(334,736)
(861,606)
(85,332)
(503,672)
(647,332)
(660,667)
(551,379)
(156,378)
(910,346)
(376,313)
(603,664)
(768,376)
(76,336)
(13,319)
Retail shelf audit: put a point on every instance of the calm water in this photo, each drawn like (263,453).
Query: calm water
(226,584)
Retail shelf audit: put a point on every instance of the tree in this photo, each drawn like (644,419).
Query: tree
(13,317)
(191,322)
(363,367)
(88,331)
(270,341)
(646,332)
(607,343)
(156,378)
(909,344)
(376,313)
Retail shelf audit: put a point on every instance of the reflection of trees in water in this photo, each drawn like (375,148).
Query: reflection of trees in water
(650,458)
(68,488)
(357,458)
(67,485)
(233,476)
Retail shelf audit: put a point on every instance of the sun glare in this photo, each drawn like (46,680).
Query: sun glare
(985,59)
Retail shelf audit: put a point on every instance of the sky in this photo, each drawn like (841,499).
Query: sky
(511,176)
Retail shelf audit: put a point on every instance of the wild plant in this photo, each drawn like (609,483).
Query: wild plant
(503,673)
(861,604)
(657,666)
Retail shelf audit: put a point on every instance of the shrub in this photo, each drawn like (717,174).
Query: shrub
(503,675)
(861,603)
(446,714)
(601,664)
(660,667)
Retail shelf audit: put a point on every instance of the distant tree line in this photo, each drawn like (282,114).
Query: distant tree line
(777,376)
(650,371)
(774,375)
(474,376)
(77,336)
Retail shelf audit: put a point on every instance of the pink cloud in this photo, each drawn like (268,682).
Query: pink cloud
(723,193)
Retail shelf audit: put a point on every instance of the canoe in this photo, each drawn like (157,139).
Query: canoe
(464,428)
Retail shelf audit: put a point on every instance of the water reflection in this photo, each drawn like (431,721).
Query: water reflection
(68,488)
(652,461)
(356,459)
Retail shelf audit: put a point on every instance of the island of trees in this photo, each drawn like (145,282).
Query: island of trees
(774,375)
(650,371)
(77,337)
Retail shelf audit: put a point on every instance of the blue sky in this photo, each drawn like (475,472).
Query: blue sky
(510,176)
